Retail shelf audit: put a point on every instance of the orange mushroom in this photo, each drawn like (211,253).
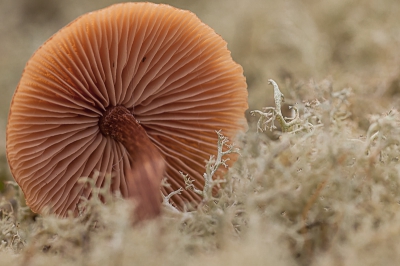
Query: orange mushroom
(136,90)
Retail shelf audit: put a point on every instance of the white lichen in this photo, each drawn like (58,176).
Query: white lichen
(269,115)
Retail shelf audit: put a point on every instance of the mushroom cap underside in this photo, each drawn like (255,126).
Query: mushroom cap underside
(170,70)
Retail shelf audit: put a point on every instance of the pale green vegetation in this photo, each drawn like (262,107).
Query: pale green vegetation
(324,192)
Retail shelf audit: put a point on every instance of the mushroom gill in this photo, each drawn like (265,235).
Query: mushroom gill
(129,90)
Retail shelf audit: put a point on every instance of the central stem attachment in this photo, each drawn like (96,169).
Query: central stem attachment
(147,163)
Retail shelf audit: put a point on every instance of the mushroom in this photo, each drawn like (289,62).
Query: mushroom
(135,90)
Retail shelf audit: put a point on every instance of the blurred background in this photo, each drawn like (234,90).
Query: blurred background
(351,43)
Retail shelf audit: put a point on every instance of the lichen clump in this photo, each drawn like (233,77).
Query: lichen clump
(325,192)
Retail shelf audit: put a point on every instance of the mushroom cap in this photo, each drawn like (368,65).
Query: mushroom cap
(170,70)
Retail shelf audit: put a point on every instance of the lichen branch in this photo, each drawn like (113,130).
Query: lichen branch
(166,200)
(271,114)
(340,112)
(382,126)
(212,166)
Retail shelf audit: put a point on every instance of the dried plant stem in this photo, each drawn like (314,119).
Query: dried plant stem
(305,212)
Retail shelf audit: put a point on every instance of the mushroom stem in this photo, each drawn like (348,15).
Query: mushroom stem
(147,163)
